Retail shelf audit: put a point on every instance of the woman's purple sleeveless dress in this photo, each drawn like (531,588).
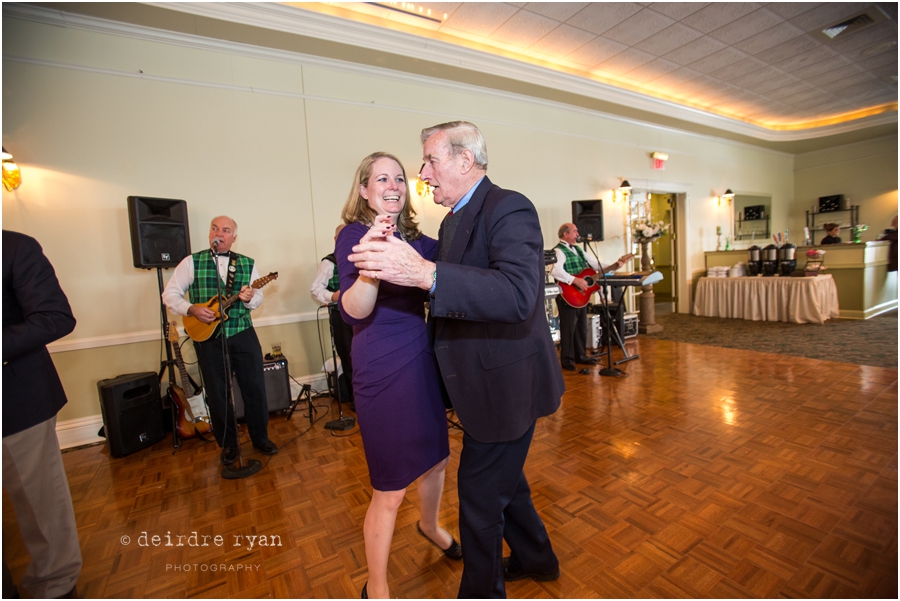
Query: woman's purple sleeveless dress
(402,419)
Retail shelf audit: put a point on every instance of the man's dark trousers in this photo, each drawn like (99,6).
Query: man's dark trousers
(489,472)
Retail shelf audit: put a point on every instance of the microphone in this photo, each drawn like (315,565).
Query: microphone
(216,242)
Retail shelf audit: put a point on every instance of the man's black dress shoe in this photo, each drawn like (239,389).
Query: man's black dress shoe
(229,455)
(454,551)
(588,360)
(266,447)
(511,575)
(569,368)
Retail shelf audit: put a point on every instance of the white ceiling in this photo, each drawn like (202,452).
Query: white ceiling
(761,63)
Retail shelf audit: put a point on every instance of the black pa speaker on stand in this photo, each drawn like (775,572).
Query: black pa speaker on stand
(130,405)
(587,215)
(160,236)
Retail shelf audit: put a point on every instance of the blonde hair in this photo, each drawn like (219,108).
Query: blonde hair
(357,208)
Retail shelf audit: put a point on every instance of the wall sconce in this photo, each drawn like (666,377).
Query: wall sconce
(726,197)
(624,191)
(422,188)
(12,177)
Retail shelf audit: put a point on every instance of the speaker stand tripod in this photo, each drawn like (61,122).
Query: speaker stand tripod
(169,363)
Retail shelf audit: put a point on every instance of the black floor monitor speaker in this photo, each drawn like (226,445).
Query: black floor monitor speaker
(160,236)
(587,215)
(278,387)
(130,405)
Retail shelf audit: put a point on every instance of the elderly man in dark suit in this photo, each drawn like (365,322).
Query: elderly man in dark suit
(35,313)
(493,347)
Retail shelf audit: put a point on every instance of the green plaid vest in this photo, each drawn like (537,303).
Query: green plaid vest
(334,284)
(203,288)
(575,261)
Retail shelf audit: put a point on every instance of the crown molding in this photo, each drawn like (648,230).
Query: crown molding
(315,25)
(296,20)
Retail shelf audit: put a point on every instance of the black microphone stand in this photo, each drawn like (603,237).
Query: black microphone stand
(229,471)
(609,370)
(341,423)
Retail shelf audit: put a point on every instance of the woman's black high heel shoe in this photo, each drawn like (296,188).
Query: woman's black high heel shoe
(365,594)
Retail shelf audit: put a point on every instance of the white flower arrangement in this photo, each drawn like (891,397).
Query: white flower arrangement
(645,230)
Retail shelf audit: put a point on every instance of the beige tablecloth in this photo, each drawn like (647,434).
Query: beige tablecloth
(797,300)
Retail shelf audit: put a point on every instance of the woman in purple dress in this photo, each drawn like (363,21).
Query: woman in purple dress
(395,382)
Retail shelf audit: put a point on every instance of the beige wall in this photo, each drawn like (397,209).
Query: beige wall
(273,141)
(865,172)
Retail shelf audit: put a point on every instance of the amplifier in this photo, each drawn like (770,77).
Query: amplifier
(278,387)
(631,325)
(132,412)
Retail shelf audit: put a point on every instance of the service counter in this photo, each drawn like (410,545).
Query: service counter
(865,287)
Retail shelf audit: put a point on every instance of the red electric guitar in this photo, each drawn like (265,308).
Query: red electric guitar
(577,298)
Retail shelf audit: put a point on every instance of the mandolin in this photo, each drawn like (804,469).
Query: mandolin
(187,425)
(201,332)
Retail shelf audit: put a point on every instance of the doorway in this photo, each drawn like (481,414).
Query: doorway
(664,251)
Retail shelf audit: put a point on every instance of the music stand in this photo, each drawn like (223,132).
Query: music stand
(305,391)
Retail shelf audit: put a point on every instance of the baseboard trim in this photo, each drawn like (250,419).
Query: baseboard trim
(870,312)
(83,431)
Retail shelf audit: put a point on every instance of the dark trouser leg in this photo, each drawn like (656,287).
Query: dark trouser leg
(580,333)
(209,357)
(567,318)
(495,503)
(247,365)
(343,340)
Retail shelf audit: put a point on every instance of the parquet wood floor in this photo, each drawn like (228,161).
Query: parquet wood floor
(709,472)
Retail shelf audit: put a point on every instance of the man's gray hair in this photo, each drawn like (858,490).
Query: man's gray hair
(462,135)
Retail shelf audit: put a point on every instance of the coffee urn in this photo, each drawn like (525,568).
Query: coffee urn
(787,256)
(754,263)
(770,260)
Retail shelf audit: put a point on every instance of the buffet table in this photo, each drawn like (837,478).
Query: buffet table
(792,299)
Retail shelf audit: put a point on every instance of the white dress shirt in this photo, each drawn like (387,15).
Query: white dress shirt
(319,292)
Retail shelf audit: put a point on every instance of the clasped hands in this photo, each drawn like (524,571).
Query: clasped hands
(381,256)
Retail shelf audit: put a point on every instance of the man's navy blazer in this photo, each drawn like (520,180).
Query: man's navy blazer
(35,313)
(491,338)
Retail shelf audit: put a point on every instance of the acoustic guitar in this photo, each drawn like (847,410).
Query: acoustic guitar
(577,298)
(186,425)
(201,332)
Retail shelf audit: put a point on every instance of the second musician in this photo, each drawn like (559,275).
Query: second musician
(395,383)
